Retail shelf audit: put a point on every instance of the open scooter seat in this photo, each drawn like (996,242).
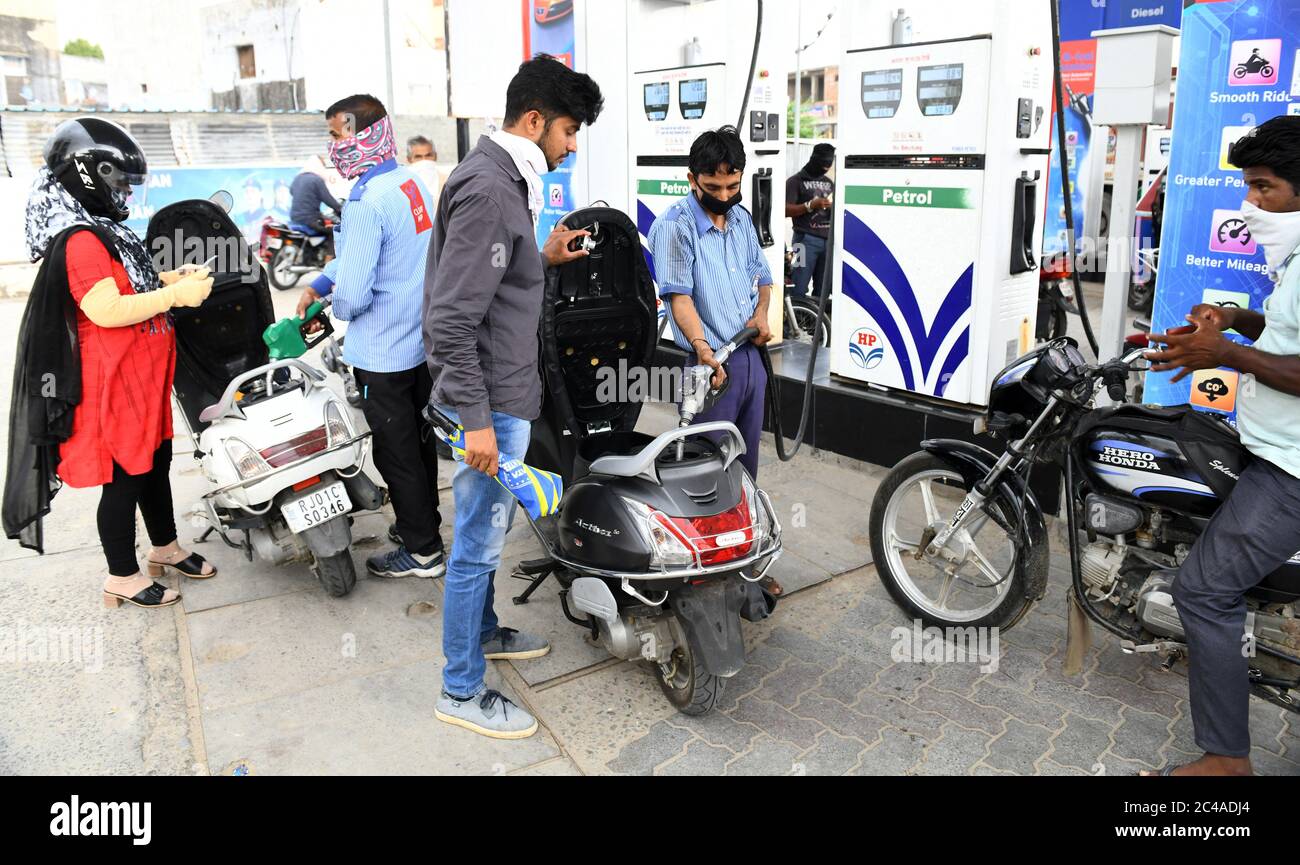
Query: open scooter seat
(222,338)
(597,335)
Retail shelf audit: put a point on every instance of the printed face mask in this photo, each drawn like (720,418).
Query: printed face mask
(1278,233)
(363,151)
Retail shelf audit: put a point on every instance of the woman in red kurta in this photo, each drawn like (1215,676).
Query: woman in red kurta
(122,427)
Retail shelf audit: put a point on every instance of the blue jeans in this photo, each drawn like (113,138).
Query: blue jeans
(484,513)
(810,271)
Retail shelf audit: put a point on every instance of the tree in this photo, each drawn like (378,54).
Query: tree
(805,121)
(82,48)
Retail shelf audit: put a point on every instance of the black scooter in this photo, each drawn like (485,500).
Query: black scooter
(659,542)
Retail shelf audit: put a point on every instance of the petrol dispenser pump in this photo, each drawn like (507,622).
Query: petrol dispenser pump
(670,107)
(942,168)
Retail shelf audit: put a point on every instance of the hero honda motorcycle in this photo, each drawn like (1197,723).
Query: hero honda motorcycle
(659,541)
(278,448)
(960,539)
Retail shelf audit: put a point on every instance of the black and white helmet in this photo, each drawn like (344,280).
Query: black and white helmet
(98,162)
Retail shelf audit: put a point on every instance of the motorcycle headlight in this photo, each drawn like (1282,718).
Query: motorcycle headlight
(247,462)
(667,549)
(337,428)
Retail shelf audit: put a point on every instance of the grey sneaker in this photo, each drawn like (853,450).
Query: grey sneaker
(487,713)
(511,645)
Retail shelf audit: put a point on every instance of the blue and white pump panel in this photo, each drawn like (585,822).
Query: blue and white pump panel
(941,172)
(668,110)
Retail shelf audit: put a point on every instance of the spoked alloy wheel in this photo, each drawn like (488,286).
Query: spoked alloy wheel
(974,581)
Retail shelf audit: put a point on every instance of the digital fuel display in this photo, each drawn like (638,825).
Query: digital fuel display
(882,93)
(693,97)
(655,99)
(938,89)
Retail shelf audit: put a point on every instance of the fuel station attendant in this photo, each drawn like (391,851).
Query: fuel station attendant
(381,244)
(716,282)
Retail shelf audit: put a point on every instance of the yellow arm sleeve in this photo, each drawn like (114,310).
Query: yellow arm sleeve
(106,307)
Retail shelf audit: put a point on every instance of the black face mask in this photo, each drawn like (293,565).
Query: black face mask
(817,169)
(718,206)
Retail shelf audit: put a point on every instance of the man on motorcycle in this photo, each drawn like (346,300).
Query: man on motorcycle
(1258,528)
(309,193)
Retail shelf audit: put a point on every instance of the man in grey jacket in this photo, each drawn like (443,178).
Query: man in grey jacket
(482,301)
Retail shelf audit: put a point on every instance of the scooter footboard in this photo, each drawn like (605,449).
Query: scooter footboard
(709,615)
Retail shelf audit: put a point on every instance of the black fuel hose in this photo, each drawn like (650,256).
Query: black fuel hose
(774,384)
(1067,190)
(753,67)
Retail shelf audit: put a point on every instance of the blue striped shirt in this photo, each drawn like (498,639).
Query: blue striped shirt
(720,270)
(377,279)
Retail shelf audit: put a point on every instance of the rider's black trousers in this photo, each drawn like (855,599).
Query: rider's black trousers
(1255,531)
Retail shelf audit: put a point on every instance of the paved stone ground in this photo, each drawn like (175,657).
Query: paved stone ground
(259,671)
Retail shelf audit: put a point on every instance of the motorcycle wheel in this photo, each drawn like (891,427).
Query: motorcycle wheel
(1141,298)
(1267,72)
(1060,325)
(688,686)
(1240,72)
(278,270)
(336,573)
(919,496)
(805,323)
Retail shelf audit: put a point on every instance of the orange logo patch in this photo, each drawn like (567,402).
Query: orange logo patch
(1215,389)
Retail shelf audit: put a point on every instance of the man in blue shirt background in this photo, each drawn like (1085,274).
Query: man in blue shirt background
(377,285)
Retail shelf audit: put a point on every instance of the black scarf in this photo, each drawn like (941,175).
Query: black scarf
(46,392)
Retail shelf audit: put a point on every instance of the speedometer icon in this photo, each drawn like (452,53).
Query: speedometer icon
(1234,231)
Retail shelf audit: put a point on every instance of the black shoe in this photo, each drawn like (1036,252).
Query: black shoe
(393,535)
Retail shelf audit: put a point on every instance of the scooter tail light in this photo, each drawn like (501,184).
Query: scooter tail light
(668,547)
(757,512)
(722,537)
(247,462)
(336,427)
(311,442)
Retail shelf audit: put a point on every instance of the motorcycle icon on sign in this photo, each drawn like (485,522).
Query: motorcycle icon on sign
(1256,65)
(1253,62)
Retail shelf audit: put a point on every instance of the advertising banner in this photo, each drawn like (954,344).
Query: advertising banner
(1079,18)
(261,192)
(548,29)
(1237,69)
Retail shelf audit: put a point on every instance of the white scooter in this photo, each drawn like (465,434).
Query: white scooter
(277,446)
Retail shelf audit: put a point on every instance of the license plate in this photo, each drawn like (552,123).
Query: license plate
(318,506)
(274,243)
